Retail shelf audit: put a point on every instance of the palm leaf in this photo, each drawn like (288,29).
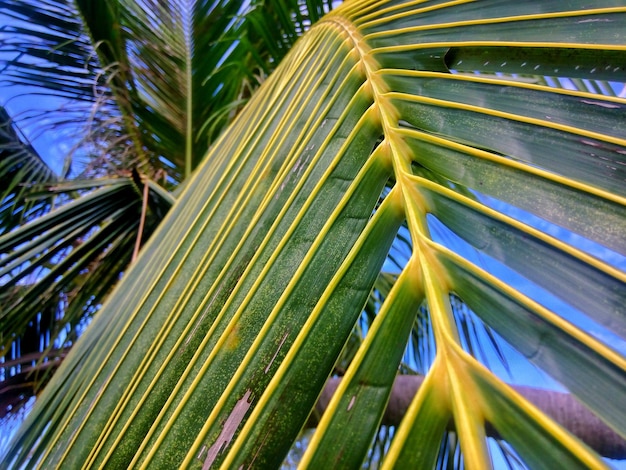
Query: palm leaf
(155,81)
(181,70)
(21,167)
(45,46)
(133,91)
(219,340)
(93,234)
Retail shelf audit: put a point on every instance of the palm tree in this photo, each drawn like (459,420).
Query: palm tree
(403,154)
(140,90)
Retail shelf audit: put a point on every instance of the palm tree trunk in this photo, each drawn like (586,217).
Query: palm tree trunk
(562,407)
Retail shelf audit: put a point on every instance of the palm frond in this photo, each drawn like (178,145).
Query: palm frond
(46,47)
(57,270)
(145,85)
(45,261)
(177,68)
(20,169)
(47,52)
(157,81)
(216,345)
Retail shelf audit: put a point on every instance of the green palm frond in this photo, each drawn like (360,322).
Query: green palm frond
(133,86)
(20,168)
(44,45)
(214,348)
(56,271)
(181,70)
(58,268)
(159,81)
(46,51)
